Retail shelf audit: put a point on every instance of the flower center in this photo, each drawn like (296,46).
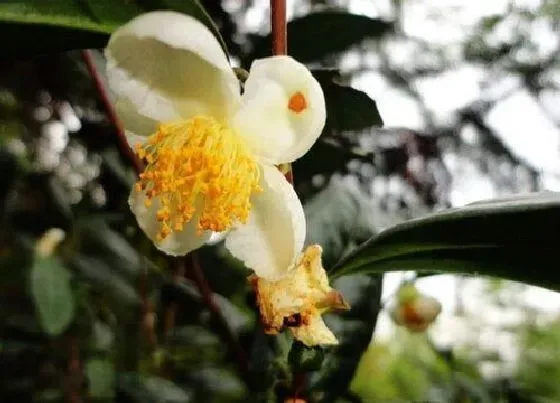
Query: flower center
(297,102)
(198,166)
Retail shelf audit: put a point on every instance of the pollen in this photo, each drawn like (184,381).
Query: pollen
(297,102)
(197,169)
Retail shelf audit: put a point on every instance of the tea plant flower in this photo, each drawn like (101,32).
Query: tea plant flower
(414,310)
(298,300)
(210,152)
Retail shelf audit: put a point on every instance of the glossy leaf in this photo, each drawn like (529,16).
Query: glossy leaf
(47,26)
(347,108)
(52,294)
(338,30)
(509,238)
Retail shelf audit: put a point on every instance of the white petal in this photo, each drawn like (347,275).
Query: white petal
(132,139)
(273,237)
(276,133)
(132,121)
(170,66)
(177,243)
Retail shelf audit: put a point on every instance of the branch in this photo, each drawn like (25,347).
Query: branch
(280,47)
(171,310)
(111,114)
(148,316)
(74,375)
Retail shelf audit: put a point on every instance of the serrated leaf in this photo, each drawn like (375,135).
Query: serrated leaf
(101,378)
(511,238)
(47,26)
(52,294)
(338,30)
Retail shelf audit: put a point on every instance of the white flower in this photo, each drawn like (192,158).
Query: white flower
(298,300)
(210,152)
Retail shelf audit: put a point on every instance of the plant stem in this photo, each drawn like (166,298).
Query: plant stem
(278,27)
(280,47)
(74,372)
(171,311)
(147,309)
(110,111)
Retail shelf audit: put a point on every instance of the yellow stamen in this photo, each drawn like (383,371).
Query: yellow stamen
(198,166)
(297,102)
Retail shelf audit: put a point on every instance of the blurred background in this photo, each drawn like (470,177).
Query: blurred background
(469,95)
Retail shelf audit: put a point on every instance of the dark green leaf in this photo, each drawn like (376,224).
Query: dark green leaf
(100,240)
(337,30)
(52,294)
(338,217)
(101,378)
(348,109)
(152,389)
(105,280)
(47,26)
(218,382)
(509,238)
(237,320)
(305,359)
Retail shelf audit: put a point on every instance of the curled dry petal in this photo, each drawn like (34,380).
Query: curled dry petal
(298,300)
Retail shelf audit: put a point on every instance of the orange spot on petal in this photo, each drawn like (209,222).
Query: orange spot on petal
(297,102)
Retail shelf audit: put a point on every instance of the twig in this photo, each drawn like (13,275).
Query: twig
(111,114)
(147,314)
(278,27)
(147,308)
(74,372)
(280,47)
(171,311)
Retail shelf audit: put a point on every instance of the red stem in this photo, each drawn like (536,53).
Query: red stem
(74,372)
(280,45)
(278,24)
(111,114)
(171,311)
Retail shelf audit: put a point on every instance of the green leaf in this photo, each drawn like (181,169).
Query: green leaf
(106,280)
(101,378)
(347,108)
(337,30)
(338,217)
(152,389)
(305,359)
(47,26)
(512,238)
(52,294)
